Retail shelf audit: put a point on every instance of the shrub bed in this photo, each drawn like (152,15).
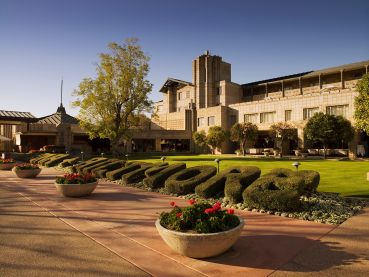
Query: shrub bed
(185,181)
(69,162)
(56,160)
(42,156)
(311,180)
(157,180)
(112,165)
(89,169)
(236,183)
(88,163)
(118,173)
(136,175)
(46,159)
(152,171)
(274,193)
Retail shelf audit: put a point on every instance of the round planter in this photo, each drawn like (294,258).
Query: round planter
(200,245)
(76,190)
(7,166)
(27,173)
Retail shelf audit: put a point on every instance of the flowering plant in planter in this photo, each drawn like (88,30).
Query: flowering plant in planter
(199,217)
(76,178)
(25,166)
(6,161)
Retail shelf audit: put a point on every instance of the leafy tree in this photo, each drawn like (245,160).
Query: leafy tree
(361,103)
(282,131)
(113,102)
(326,129)
(216,136)
(199,138)
(243,133)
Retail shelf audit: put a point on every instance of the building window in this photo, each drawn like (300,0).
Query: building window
(287,115)
(309,112)
(267,117)
(338,110)
(211,120)
(219,90)
(252,118)
(179,95)
(187,94)
(200,121)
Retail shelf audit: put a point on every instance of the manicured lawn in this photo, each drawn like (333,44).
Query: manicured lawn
(347,178)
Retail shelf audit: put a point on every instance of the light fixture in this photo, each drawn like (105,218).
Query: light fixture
(296,165)
(163,159)
(217,161)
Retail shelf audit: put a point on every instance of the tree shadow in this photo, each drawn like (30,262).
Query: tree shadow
(273,251)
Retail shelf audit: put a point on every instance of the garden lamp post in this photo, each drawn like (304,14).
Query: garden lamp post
(102,154)
(217,161)
(163,159)
(296,165)
(127,157)
(82,155)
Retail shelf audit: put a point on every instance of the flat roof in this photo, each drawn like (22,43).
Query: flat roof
(171,82)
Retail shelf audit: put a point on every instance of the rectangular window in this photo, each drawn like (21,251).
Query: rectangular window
(211,120)
(338,110)
(179,95)
(267,117)
(287,115)
(309,112)
(187,94)
(200,121)
(252,118)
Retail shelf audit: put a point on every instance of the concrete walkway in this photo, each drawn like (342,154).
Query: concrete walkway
(121,219)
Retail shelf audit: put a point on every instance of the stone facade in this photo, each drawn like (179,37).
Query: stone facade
(212,99)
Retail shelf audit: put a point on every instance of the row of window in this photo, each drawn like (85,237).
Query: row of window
(201,121)
(181,95)
(269,117)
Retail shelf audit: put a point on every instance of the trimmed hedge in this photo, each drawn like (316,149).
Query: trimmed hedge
(157,168)
(185,181)
(88,169)
(272,193)
(289,178)
(69,162)
(237,182)
(88,163)
(157,180)
(136,175)
(280,172)
(215,184)
(45,159)
(112,165)
(117,173)
(311,180)
(56,160)
(40,157)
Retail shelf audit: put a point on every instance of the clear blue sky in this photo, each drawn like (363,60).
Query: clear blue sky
(41,41)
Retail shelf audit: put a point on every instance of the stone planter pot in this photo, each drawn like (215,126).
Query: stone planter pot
(7,166)
(27,173)
(76,190)
(200,245)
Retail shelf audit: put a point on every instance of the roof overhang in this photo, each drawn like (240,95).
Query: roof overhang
(170,82)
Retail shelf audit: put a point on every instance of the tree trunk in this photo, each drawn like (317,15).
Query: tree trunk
(243,148)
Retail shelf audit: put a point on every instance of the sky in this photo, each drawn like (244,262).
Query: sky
(43,41)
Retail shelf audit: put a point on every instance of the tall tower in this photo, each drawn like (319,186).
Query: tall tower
(207,72)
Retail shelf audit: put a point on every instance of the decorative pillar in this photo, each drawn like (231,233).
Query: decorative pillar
(300,85)
(320,81)
(342,80)
(282,84)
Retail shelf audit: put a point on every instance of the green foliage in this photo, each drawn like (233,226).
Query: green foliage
(243,133)
(115,100)
(185,181)
(283,131)
(112,165)
(216,136)
(199,138)
(274,194)
(194,218)
(117,173)
(89,163)
(237,182)
(69,162)
(311,180)
(325,128)
(152,171)
(361,104)
(157,180)
(136,175)
(87,169)
(56,160)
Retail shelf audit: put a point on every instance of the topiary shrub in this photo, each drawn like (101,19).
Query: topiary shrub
(215,184)
(272,193)
(46,159)
(69,162)
(117,173)
(112,165)
(237,182)
(185,181)
(56,160)
(311,180)
(88,169)
(42,156)
(88,163)
(280,172)
(136,175)
(152,171)
(291,179)
(157,180)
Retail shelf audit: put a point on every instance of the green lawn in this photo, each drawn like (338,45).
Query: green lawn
(347,178)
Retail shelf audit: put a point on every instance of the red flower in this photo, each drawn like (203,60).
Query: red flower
(172,203)
(230,211)
(192,201)
(216,206)
(178,215)
(209,211)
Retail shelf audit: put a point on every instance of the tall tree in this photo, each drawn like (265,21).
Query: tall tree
(328,129)
(243,133)
(281,132)
(199,138)
(216,136)
(112,102)
(361,103)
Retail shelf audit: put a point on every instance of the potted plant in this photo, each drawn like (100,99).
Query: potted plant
(6,164)
(200,230)
(26,170)
(75,184)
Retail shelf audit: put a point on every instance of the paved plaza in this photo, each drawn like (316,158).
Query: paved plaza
(112,233)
